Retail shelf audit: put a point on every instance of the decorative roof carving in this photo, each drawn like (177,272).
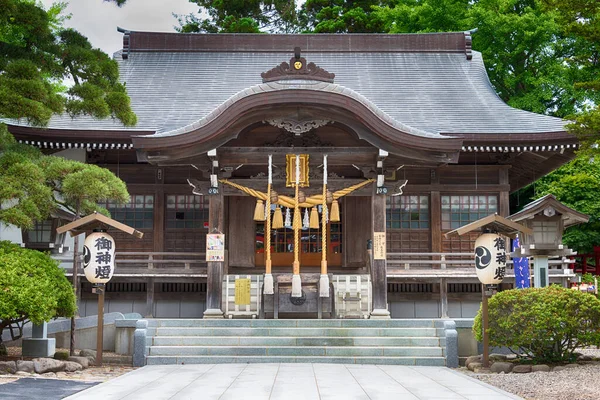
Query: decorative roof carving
(289,139)
(297,127)
(297,68)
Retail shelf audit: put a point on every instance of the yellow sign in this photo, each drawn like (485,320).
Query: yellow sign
(242,292)
(290,169)
(379,245)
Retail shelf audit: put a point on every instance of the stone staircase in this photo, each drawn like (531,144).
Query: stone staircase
(201,341)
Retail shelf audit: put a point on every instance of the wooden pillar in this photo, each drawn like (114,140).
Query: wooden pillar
(159,219)
(214,287)
(379,268)
(435,205)
(444,297)
(150,298)
(504,200)
(436,222)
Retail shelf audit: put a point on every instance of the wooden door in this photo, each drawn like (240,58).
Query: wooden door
(242,232)
(357,228)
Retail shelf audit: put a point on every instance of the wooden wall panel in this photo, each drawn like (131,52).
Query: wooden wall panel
(242,232)
(357,226)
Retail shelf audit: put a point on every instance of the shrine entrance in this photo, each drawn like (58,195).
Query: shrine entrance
(282,243)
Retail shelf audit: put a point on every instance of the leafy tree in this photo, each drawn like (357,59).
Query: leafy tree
(342,16)
(576,184)
(51,182)
(32,288)
(581,24)
(548,324)
(37,55)
(415,16)
(241,16)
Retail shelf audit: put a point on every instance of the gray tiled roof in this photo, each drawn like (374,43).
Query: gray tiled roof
(426,93)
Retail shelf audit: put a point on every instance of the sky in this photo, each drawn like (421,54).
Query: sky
(99,20)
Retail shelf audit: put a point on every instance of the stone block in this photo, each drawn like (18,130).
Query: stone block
(473,359)
(473,365)
(521,369)
(573,365)
(540,368)
(8,367)
(83,361)
(71,366)
(25,366)
(38,347)
(45,365)
(482,370)
(558,368)
(497,357)
(501,366)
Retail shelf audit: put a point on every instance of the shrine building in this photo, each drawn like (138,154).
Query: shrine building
(417,143)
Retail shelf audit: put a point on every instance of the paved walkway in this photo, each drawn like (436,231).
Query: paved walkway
(291,382)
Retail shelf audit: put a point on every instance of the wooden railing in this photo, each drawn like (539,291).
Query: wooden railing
(443,261)
(159,263)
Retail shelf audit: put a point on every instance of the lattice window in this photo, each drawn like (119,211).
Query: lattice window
(138,212)
(407,212)
(186,211)
(408,241)
(461,210)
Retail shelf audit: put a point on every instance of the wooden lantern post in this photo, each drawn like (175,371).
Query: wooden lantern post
(99,258)
(490,261)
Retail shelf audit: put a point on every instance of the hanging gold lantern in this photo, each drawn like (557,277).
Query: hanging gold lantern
(277,218)
(259,211)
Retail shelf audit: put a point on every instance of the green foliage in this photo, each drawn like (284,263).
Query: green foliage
(577,185)
(32,287)
(587,278)
(547,324)
(415,16)
(341,16)
(37,54)
(51,182)
(241,16)
(61,355)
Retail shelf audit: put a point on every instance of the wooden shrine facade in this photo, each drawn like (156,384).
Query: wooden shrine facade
(414,112)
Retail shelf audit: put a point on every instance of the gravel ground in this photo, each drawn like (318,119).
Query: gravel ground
(580,383)
(92,374)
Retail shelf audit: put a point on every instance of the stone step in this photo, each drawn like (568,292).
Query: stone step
(293,341)
(296,351)
(292,323)
(425,361)
(298,332)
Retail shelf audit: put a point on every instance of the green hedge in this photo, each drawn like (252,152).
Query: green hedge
(547,324)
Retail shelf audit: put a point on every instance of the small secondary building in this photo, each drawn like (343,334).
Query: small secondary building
(414,112)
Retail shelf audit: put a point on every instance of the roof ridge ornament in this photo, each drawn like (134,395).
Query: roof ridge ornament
(297,68)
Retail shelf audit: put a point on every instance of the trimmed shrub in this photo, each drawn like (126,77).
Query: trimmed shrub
(547,324)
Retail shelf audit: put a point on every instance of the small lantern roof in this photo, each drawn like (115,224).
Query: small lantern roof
(94,221)
(569,216)
(494,223)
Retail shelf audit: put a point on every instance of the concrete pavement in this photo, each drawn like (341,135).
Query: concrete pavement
(292,382)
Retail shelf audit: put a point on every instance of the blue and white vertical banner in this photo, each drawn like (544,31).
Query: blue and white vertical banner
(521,265)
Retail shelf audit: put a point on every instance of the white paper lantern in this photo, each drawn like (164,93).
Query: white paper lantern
(490,258)
(99,257)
